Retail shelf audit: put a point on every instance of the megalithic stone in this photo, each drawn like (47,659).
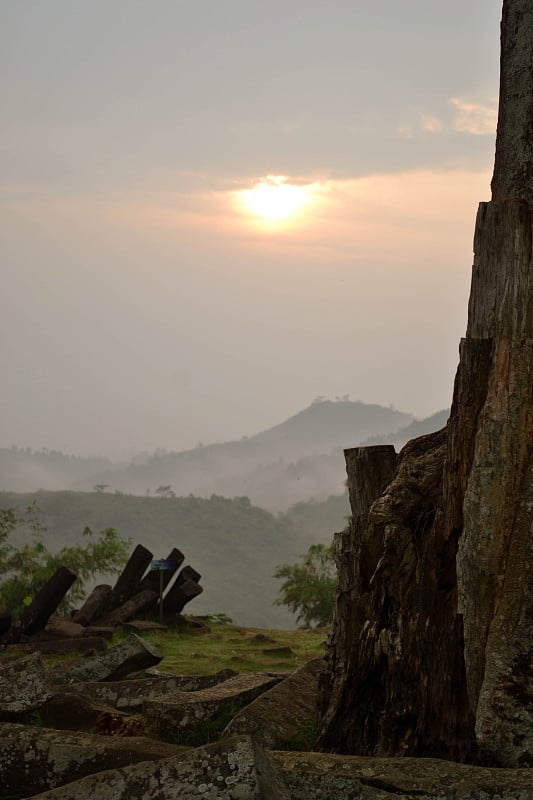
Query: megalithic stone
(137,604)
(187,574)
(131,655)
(128,583)
(94,606)
(46,601)
(151,579)
(179,595)
(5,622)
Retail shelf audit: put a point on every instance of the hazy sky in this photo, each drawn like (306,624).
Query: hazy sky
(144,303)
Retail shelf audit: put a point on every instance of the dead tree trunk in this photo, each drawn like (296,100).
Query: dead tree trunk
(450,539)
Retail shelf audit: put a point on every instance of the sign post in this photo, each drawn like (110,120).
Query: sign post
(161,565)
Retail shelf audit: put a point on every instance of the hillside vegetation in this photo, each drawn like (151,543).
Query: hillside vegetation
(234,545)
(291,462)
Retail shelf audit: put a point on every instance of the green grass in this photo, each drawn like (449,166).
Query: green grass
(235,647)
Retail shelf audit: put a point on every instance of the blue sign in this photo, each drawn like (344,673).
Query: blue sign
(163,564)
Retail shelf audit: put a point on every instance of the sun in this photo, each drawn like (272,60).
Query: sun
(275,199)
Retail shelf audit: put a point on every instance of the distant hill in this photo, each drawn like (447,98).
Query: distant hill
(416,428)
(235,546)
(290,463)
(275,468)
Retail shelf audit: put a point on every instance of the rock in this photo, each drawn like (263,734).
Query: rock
(236,769)
(46,601)
(128,582)
(82,644)
(130,695)
(130,608)
(94,606)
(72,711)
(24,685)
(131,655)
(60,628)
(323,776)
(103,631)
(35,759)
(143,625)
(178,714)
(277,717)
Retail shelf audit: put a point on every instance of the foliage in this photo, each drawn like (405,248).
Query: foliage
(309,587)
(235,545)
(25,569)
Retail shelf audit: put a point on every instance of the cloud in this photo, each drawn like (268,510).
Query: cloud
(431,124)
(477,119)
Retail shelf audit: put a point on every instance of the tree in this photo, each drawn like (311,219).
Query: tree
(24,570)
(309,586)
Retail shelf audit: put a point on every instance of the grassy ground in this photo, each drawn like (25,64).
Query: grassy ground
(235,647)
(223,646)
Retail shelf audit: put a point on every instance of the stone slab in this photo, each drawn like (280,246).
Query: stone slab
(236,769)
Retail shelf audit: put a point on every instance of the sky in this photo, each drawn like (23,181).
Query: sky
(212,212)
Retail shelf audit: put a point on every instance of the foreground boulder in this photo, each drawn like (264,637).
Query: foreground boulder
(323,776)
(34,759)
(72,711)
(131,655)
(176,715)
(236,769)
(130,695)
(24,686)
(285,715)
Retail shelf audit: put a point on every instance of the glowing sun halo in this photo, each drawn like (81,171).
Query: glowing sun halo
(274,199)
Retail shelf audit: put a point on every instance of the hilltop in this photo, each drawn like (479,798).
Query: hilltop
(291,462)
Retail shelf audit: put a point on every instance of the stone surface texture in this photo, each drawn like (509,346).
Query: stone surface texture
(130,695)
(24,685)
(35,759)
(323,776)
(277,717)
(186,711)
(236,769)
(131,655)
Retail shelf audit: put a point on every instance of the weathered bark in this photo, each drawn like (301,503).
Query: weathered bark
(94,606)
(128,583)
(179,595)
(495,546)
(513,169)
(128,610)
(393,677)
(450,539)
(46,601)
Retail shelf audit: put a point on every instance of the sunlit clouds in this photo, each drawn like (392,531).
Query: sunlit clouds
(461,115)
(274,198)
(477,119)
